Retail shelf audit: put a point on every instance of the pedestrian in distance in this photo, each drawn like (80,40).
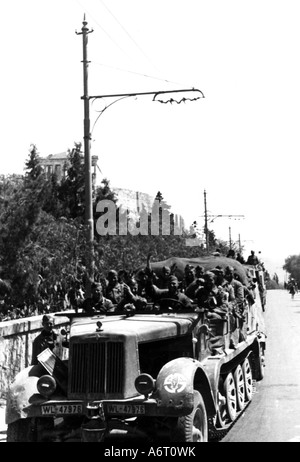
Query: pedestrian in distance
(292,288)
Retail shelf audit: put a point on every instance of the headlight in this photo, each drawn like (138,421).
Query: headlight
(46,385)
(144,384)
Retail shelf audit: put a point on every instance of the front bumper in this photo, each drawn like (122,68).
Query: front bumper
(135,407)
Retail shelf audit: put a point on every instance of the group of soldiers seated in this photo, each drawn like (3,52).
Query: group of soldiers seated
(218,292)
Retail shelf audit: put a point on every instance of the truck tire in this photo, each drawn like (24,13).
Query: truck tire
(247,371)
(230,395)
(240,387)
(20,431)
(194,426)
(222,419)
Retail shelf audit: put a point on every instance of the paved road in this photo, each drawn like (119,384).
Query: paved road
(274,414)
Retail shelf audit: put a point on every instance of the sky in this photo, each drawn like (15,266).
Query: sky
(240,143)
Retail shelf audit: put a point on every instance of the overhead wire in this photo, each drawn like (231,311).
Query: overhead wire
(140,49)
(120,48)
(141,74)
(127,33)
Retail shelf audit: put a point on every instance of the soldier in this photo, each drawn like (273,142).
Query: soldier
(191,290)
(238,306)
(143,282)
(163,280)
(46,339)
(237,287)
(115,291)
(252,259)
(132,300)
(189,276)
(172,292)
(240,258)
(75,295)
(199,271)
(97,302)
(222,282)
(212,297)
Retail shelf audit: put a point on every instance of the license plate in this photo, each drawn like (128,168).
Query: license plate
(62,409)
(132,409)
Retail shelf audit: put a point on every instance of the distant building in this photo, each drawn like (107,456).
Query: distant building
(133,201)
(136,201)
(59,164)
(55,163)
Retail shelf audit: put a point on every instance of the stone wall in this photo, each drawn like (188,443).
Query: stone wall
(16,339)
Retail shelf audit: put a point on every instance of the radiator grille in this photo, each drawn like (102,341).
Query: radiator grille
(97,367)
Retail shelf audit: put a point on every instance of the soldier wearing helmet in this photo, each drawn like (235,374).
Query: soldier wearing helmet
(46,339)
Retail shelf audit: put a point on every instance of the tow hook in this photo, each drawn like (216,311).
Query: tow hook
(94,427)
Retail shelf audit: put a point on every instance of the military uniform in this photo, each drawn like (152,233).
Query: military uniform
(41,342)
(117,293)
(214,300)
(90,306)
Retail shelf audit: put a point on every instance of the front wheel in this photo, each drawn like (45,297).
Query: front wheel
(192,427)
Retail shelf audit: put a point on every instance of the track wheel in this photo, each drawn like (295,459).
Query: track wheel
(260,364)
(240,387)
(247,372)
(230,395)
(192,427)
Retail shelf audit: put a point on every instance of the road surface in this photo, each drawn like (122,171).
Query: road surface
(274,414)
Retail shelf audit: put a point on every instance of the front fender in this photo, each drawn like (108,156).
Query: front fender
(176,383)
(23,393)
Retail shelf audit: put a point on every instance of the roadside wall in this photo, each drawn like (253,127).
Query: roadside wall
(16,339)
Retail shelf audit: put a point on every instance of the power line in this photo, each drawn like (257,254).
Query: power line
(213,217)
(123,51)
(138,73)
(127,33)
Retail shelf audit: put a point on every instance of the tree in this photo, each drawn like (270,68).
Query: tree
(52,202)
(49,258)
(292,266)
(18,219)
(160,219)
(33,166)
(71,192)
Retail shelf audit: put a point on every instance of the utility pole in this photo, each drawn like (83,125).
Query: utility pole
(240,245)
(212,218)
(205,224)
(89,222)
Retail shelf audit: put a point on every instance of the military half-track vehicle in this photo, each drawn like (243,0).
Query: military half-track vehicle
(157,375)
